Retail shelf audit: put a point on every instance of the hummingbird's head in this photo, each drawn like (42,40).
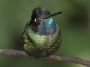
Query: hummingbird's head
(41,13)
(38,14)
(41,20)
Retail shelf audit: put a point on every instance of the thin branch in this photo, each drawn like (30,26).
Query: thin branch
(52,57)
(12,52)
(69,59)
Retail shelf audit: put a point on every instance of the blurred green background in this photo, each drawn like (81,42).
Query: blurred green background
(14,14)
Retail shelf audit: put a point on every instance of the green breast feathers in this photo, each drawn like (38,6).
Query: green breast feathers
(42,41)
(41,45)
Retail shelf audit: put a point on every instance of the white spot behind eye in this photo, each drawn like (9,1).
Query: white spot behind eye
(35,20)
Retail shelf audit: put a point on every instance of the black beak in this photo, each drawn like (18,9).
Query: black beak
(54,14)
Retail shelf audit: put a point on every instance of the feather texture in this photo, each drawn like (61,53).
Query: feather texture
(41,36)
(41,45)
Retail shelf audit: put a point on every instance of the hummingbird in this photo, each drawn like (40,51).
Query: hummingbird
(41,36)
